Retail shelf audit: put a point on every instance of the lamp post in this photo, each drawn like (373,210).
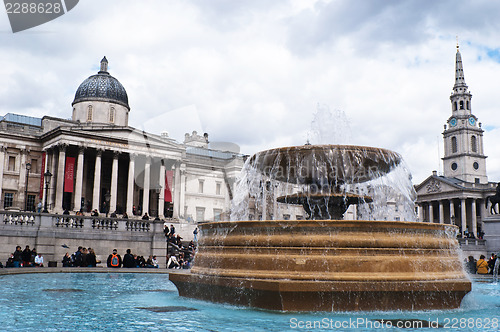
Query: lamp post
(47,175)
(28,167)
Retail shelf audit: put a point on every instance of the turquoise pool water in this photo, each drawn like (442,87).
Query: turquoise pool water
(149,302)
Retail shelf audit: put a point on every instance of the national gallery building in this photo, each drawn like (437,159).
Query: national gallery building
(97,161)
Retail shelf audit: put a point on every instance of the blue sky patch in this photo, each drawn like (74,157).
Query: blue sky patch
(494,54)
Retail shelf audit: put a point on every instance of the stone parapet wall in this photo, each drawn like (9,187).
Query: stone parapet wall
(53,235)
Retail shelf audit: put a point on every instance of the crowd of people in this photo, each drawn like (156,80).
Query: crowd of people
(179,255)
(483,266)
(24,258)
(129,260)
(83,257)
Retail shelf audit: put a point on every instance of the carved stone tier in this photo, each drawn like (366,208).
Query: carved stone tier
(325,165)
(321,206)
(327,265)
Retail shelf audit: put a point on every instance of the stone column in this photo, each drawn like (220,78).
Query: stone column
(452,212)
(161,198)
(182,198)
(176,194)
(79,179)
(420,212)
(2,162)
(60,178)
(53,181)
(474,217)
(431,212)
(130,184)
(145,195)
(21,180)
(114,182)
(97,181)
(44,192)
(441,212)
(464,215)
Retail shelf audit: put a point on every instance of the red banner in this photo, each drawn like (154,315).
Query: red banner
(169,177)
(69,174)
(41,177)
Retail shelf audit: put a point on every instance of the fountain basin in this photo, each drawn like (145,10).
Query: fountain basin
(327,265)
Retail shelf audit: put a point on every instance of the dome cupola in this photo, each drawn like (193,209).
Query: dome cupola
(101,98)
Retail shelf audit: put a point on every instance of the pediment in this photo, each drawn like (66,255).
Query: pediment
(435,185)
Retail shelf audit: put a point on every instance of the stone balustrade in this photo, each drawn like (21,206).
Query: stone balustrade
(18,218)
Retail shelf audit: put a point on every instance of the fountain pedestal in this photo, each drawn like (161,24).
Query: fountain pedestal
(328,265)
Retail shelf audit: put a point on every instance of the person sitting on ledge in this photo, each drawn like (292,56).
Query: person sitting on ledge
(66,261)
(94,213)
(125,215)
(114,260)
(128,260)
(482,265)
(113,214)
(145,216)
(66,211)
(10,261)
(39,260)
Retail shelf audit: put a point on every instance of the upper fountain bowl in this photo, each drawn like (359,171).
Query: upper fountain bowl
(325,165)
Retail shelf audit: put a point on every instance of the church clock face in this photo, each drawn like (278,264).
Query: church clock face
(453,122)
(472,121)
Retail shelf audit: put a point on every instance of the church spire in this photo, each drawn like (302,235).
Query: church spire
(104,66)
(459,72)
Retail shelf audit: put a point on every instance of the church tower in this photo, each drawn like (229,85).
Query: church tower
(464,157)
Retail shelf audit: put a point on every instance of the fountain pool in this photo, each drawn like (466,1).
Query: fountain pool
(147,302)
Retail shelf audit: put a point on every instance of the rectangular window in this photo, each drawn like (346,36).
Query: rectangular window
(299,217)
(218,188)
(200,186)
(217,214)
(34,166)
(8,200)
(286,217)
(12,163)
(200,214)
(31,203)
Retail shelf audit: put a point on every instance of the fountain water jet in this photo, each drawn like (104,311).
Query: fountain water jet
(326,263)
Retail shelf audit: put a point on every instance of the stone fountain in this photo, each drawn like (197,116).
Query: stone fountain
(325,263)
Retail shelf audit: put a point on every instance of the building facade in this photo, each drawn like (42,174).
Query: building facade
(97,161)
(458,195)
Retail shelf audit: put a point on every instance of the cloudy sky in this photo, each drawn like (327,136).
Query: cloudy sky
(254,72)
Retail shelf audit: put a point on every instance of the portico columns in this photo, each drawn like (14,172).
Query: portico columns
(145,194)
(441,212)
(474,218)
(22,180)
(44,192)
(52,192)
(161,198)
(431,212)
(420,209)
(464,215)
(79,180)
(114,182)
(177,192)
(60,178)
(97,181)
(130,184)
(452,212)
(2,162)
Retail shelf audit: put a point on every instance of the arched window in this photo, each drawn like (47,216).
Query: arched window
(89,113)
(112,114)
(454,147)
(473,143)
(461,104)
(467,105)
